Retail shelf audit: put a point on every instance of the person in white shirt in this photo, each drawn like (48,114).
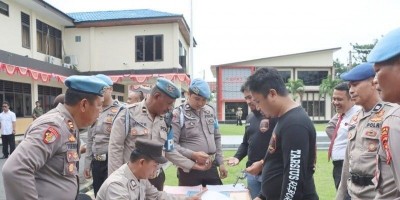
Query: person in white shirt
(7,124)
(345,109)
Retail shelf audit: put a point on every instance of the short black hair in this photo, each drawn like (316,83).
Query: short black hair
(136,155)
(343,86)
(244,87)
(5,102)
(265,79)
(72,97)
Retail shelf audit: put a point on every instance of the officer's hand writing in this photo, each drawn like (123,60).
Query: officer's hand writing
(200,157)
(223,173)
(232,161)
(255,168)
(86,173)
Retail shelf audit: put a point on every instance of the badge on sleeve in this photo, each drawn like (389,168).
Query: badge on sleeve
(50,135)
(385,143)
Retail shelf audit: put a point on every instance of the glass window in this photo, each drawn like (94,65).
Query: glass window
(47,95)
(4,8)
(285,75)
(312,78)
(149,48)
(314,108)
(48,39)
(25,26)
(16,95)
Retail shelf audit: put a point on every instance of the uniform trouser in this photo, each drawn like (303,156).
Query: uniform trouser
(8,140)
(158,181)
(337,174)
(196,177)
(99,173)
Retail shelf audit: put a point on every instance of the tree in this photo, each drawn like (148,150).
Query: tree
(327,86)
(296,88)
(360,52)
(339,67)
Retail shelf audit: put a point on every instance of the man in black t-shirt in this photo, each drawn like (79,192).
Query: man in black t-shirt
(290,160)
(257,134)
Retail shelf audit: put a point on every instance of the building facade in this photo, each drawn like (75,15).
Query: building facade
(311,67)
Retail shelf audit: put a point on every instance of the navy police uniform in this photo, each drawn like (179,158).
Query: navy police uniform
(45,164)
(387,175)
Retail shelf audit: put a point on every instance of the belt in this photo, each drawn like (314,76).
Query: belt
(100,157)
(361,180)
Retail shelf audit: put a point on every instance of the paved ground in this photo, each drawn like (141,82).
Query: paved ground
(228,143)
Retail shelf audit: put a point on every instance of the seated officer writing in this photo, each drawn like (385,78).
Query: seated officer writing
(131,182)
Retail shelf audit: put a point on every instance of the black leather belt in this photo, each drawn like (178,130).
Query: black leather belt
(361,180)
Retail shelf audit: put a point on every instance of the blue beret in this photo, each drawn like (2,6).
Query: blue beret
(200,87)
(86,84)
(105,78)
(359,72)
(168,88)
(386,48)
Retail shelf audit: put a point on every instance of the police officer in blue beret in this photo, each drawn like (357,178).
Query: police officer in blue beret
(147,120)
(96,160)
(197,137)
(363,133)
(386,58)
(45,164)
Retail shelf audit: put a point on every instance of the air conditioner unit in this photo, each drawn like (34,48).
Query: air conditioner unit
(50,59)
(71,59)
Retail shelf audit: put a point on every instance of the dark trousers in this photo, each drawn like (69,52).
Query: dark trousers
(8,140)
(337,174)
(158,181)
(99,173)
(196,177)
(239,121)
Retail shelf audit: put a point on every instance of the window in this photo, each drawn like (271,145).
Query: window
(314,108)
(4,8)
(285,75)
(47,95)
(312,78)
(25,26)
(48,39)
(182,55)
(18,95)
(149,48)
(78,38)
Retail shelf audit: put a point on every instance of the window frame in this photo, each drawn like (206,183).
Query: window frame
(6,10)
(25,38)
(157,48)
(43,31)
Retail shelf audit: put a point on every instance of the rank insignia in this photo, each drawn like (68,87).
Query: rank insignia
(50,135)
(108,129)
(72,156)
(109,120)
(207,111)
(354,119)
(71,138)
(210,121)
(132,185)
(114,110)
(134,131)
(370,133)
(385,143)
(144,110)
(378,116)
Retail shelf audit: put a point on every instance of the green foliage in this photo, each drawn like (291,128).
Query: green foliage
(360,52)
(327,86)
(339,67)
(296,88)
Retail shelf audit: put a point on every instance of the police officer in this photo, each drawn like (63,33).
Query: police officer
(99,136)
(130,181)
(363,134)
(44,165)
(146,120)
(386,58)
(197,137)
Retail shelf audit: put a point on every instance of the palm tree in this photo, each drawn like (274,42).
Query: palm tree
(327,85)
(296,88)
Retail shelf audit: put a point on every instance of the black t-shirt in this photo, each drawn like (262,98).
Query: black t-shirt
(290,160)
(255,142)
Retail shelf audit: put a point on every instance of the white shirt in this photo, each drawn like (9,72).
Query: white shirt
(6,120)
(340,144)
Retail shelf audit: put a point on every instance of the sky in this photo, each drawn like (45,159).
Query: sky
(229,31)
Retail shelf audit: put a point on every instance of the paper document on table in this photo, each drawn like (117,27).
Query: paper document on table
(213,195)
(228,188)
(182,190)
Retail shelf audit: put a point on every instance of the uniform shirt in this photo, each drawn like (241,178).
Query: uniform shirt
(6,120)
(199,132)
(340,144)
(290,160)
(141,125)
(361,152)
(37,112)
(43,166)
(387,178)
(99,133)
(255,143)
(122,184)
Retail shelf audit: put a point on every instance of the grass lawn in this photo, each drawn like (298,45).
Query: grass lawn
(323,175)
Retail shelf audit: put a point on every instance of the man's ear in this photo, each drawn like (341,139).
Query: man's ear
(83,105)
(273,93)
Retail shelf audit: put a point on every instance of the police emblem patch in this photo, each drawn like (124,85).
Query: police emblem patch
(372,146)
(50,135)
(196,90)
(170,88)
(385,143)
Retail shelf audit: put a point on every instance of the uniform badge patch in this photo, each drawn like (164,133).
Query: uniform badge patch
(170,88)
(385,143)
(272,144)
(50,135)
(372,147)
(71,138)
(71,168)
(72,156)
(109,120)
(264,125)
(371,133)
(134,131)
(114,110)
(378,116)
(132,185)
